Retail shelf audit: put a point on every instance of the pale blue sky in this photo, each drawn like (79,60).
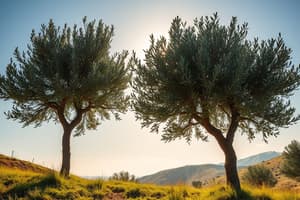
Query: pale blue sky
(123,145)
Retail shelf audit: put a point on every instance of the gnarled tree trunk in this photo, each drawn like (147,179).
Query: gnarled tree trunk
(66,153)
(232,178)
(68,127)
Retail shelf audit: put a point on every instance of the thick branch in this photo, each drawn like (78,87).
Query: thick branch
(217,133)
(77,119)
(235,117)
(60,110)
(61,117)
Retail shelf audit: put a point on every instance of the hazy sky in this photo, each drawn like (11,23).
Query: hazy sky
(123,145)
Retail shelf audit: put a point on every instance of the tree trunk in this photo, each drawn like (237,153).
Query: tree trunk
(232,178)
(66,153)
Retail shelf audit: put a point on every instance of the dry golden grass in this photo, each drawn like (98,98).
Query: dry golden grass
(23,165)
(26,183)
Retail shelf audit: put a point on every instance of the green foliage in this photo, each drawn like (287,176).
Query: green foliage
(123,176)
(95,185)
(50,180)
(209,77)
(176,194)
(134,193)
(67,75)
(259,175)
(291,163)
(197,184)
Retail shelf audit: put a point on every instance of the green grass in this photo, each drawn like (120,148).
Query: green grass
(26,185)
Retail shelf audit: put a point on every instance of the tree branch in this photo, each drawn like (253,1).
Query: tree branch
(217,133)
(235,117)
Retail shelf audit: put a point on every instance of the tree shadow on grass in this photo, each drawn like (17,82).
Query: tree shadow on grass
(21,189)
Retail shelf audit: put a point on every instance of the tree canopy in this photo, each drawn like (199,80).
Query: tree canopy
(67,75)
(210,79)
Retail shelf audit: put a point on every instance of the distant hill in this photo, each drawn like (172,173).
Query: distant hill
(252,160)
(19,180)
(274,164)
(185,174)
(13,163)
(205,173)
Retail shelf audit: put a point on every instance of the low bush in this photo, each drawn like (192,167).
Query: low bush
(259,175)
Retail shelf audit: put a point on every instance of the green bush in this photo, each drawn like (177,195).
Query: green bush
(291,163)
(123,176)
(118,189)
(95,185)
(178,194)
(98,195)
(259,175)
(134,193)
(197,184)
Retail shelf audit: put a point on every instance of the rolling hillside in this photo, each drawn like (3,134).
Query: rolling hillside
(284,183)
(205,173)
(13,163)
(27,181)
(252,160)
(184,175)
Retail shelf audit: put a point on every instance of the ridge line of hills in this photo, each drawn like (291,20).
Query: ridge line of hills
(208,174)
(203,172)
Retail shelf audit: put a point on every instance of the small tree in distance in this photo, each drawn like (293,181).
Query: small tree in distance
(291,160)
(123,176)
(67,75)
(208,79)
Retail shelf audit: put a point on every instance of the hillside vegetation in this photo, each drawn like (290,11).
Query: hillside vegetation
(184,175)
(206,173)
(283,182)
(27,181)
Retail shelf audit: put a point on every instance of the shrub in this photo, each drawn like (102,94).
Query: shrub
(134,193)
(95,185)
(178,194)
(259,175)
(291,163)
(123,176)
(98,195)
(197,184)
(118,189)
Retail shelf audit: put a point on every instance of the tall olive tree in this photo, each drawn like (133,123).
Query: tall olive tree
(67,75)
(209,79)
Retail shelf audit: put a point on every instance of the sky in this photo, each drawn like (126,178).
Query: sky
(123,145)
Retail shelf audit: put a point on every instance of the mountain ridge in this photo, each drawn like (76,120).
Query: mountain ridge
(203,172)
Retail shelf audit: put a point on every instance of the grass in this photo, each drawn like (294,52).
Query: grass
(27,185)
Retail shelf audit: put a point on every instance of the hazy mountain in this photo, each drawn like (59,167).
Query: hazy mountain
(252,160)
(204,172)
(184,174)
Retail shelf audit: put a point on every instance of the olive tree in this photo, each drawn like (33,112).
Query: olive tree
(67,75)
(209,79)
(291,160)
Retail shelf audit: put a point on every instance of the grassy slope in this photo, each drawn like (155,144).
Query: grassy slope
(32,184)
(23,165)
(284,183)
(184,175)
(204,173)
